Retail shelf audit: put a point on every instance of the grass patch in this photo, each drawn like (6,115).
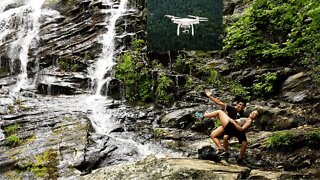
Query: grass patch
(280,140)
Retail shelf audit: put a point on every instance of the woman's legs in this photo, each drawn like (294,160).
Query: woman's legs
(215,136)
(223,117)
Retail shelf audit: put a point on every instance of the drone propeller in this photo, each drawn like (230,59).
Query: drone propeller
(169,16)
(200,18)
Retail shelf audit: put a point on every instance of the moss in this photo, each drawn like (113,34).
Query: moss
(11,129)
(45,165)
(24,108)
(11,109)
(14,140)
(313,137)
(159,132)
(14,174)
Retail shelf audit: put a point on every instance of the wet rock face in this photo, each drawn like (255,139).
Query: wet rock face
(4,66)
(72,43)
(115,89)
(298,88)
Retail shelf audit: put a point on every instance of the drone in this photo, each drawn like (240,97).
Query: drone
(186,23)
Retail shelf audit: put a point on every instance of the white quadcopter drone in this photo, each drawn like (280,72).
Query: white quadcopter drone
(186,23)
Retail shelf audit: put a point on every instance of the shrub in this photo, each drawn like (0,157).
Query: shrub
(67,65)
(238,90)
(214,78)
(182,65)
(264,84)
(280,140)
(137,44)
(189,83)
(136,78)
(274,33)
(163,93)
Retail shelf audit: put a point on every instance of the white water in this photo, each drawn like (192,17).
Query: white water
(24,23)
(105,61)
(103,119)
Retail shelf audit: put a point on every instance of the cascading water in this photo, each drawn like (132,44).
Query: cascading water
(23,24)
(103,66)
(102,118)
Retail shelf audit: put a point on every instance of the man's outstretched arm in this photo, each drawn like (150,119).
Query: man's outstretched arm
(216,100)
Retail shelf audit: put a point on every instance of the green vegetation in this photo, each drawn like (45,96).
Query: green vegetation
(287,140)
(163,93)
(67,65)
(280,139)
(276,33)
(141,84)
(202,54)
(87,56)
(11,133)
(239,90)
(45,165)
(217,123)
(159,132)
(189,83)
(14,140)
(17,101)
(313,138)
(264,84)
(24,108)
(182,65)
(11,129)
(136,78)
(137,44)
(214,78)
(14,174)
(11,109)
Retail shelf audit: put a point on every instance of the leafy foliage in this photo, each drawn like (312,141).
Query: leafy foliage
(189,84)
(67,65)
(214,78)
(276,33)
(137,44)
(163,93)
(280,139)
(264,84)
(239,90)
(136,77)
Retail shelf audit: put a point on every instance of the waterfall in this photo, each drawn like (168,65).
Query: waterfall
(104,119)
(105,62)
(102,71)
(22,25)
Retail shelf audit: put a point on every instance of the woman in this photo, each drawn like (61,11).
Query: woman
(232,128)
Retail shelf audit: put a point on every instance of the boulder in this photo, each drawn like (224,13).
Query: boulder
(153,168)
(300,88)
(181,118)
